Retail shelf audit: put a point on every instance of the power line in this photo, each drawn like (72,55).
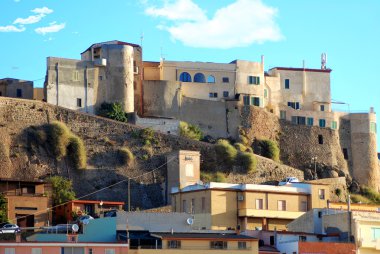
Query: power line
(89,194)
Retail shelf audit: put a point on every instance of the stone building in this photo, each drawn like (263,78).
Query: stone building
(107,72)
(16,88)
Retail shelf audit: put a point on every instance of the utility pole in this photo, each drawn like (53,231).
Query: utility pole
(314,159)
(129,194)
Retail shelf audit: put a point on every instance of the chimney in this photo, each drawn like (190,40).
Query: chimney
(262,62)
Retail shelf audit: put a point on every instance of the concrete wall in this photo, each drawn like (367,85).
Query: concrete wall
(9,87)
(164,125)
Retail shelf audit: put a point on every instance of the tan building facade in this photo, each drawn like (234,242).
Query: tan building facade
(248,206)
(16,88)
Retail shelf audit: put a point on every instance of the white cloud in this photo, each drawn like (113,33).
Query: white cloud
(44,10)
(179,10)
(41,12)
(239,24)
(11,29)
(53,28)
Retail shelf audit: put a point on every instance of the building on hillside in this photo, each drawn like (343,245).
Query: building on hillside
(67,212)
(359,227)
(107,72)
(39,94)
(302,243)
(248,206)
(16,88)
(27,202)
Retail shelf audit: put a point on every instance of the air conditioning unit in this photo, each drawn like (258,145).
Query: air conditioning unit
(240,197)
(100,62)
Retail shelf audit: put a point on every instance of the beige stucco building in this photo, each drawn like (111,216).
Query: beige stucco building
(16,88)
(107,72)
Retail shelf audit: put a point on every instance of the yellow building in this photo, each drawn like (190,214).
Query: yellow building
(220,206)
(194,243)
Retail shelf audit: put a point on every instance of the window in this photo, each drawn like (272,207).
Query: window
(174,244)
(265,93)
(253,80)
(203,204)
(303,206)
(246,100)
(283,114)
(79,102)
(218,245)
(334,125)
(100,77)
(225,94)
(36,251)
(302,238)
(319,214)
(185,77)
(255,101)
(110,251)
(213,95)
(90,251)
(322,123)
(321,194)
(242,245)
(345,153)
(199,78)
(76,76)
(287,83)
(301,120)
(192,208)
(375,233)
(210,79)
(18,93)
(281,205)
(322,107)
(184,206)
(310,121)
(320,139)
(225,80)
(10,251)
(373,127)
(259,204)
(271,240)
(294,105)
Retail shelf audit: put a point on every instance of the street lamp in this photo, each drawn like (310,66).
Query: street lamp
(101,207)
(314,160)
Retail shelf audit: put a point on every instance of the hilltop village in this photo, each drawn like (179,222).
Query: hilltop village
(119,155)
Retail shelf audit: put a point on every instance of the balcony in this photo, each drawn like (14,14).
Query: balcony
(269,214)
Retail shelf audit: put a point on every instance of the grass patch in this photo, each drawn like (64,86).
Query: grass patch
(57,138)
(77,152)
(190,131)
(113,111)
(148,136)
(213,177)
(126,156)
(225,151)
(240,147)
(270,149)
(248,161)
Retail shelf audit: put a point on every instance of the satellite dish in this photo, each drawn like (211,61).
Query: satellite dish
(75,227)
(190,221)
(86,221)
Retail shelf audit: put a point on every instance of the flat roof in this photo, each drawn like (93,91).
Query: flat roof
(204,236)
(301,69)
(114,42)
(97,202)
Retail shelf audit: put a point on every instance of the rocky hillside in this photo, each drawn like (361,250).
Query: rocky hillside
(103,140)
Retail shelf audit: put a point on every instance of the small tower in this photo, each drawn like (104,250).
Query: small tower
(183,169)
(323,61)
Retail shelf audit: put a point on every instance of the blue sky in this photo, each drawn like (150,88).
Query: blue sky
(286,32)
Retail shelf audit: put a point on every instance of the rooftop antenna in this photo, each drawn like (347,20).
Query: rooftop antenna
(323,61)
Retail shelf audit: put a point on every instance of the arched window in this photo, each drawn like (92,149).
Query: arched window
(185,77)
(199,78)
(211,79)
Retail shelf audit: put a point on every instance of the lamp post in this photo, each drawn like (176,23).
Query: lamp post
(101,207)
(314,160)
(129,194)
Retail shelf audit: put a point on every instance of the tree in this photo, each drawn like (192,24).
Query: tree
(114,111)
(62,190)
(3,208)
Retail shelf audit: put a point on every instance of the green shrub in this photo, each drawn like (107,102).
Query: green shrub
(225,151)
(219,177)
(269,149)
(113,111)
(242,139)
(357,198)
(240,147)
(126,156)
(249,150)
(371,194)
(58,138)
(190,131)
(3,208)
(62,189)
(248,161)
(338,192)
(77,152)
(147,151)
(147,135)
(206,177)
